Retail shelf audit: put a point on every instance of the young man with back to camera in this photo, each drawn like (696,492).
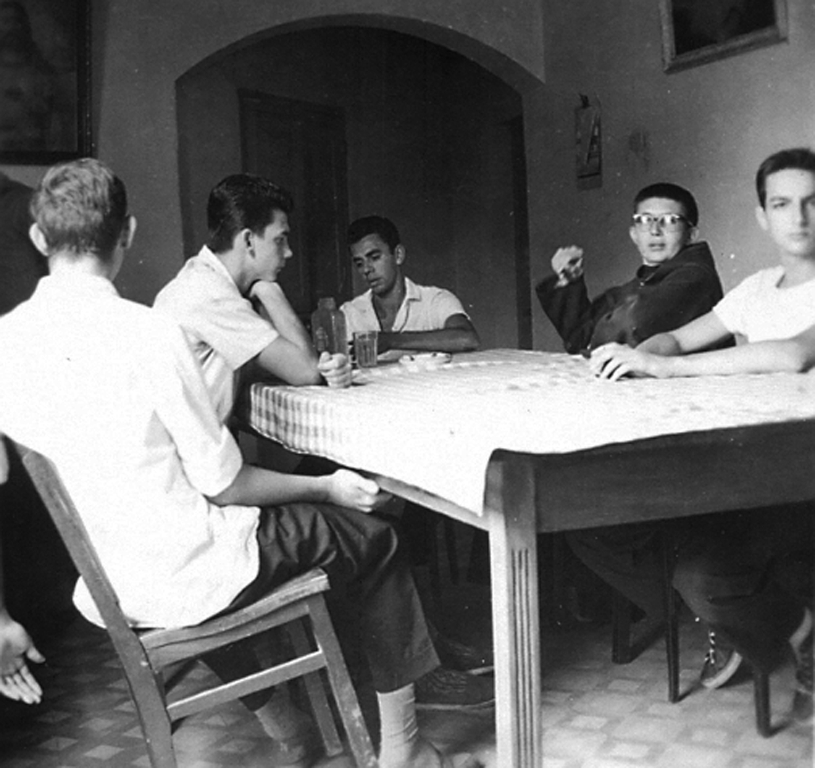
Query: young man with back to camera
(183,527)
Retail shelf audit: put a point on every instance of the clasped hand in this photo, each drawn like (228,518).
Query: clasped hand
(567,264)
(335,369)
(348,489)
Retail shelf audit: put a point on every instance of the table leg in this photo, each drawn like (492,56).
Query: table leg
(510,514)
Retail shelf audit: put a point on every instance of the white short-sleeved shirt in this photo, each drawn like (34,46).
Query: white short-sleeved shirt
(109,390)
(759,310)
(425,308)
(221,326)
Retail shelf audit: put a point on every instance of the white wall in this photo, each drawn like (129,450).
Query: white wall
(148,44)
(708,128)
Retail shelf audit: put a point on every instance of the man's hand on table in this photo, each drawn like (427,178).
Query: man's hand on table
(615,361)
(348,489)
(335,369)
(16,646)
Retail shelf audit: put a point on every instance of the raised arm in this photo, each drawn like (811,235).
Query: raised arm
(564,298)
(457,335)
(291,356)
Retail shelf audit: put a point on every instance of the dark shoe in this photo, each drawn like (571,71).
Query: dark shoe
(460,657)
(802,700)
(721,663)
(449,689)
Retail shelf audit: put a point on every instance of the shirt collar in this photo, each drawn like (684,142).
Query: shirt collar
(208,258)
(77,284)
(411,290)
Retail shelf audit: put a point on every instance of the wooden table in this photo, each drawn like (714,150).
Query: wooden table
(518,442)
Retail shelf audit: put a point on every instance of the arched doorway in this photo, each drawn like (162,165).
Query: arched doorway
(423,135)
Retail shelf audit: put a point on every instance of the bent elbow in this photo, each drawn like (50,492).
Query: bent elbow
(802,361)
(310,378)
(472,343)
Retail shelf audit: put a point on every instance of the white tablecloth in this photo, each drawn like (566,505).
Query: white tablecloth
(437,429)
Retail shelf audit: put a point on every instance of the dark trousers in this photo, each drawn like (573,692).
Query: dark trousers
(739,572)
(750,579)
(627,558)
(369,579)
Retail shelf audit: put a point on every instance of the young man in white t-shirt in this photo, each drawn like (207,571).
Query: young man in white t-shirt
(728,573)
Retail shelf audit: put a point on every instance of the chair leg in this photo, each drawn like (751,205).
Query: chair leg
(316,694)
(671,618)
(341,685)
(620,629)
(152,712)
(452,552)
(433,557)
(761,693)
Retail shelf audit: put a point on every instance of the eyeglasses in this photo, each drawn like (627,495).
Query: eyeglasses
(667,222)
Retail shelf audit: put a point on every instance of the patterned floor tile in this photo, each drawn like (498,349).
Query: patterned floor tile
(595,714)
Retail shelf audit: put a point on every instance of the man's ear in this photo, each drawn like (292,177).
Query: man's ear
(128,232)
(693,233)
(35,234)
(761,218)
(243,242)
(399,253)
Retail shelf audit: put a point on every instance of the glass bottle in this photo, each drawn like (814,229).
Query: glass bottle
(328,328)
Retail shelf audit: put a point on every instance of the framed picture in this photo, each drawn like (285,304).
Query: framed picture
(698,31)
(44,81)
(588,145)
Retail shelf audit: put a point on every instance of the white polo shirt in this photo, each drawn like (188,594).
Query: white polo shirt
(425,308)
(109,390)
(222,327)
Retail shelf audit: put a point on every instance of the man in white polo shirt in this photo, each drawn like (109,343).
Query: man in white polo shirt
(408,316)
(229,303)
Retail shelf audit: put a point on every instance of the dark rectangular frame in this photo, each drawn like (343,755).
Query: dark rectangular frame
(80,99)
(703,53)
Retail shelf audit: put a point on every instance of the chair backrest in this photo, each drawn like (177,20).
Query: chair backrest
(51,489)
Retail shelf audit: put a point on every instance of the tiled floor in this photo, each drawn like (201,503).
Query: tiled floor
(594,714)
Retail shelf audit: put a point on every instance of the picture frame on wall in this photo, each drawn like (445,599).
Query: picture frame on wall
(699,31)
(44,81)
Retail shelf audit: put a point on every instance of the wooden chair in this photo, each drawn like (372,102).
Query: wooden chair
(147,655)
(623,650)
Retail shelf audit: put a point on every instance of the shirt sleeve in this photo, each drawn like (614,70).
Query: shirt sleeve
(208,452)
(233,329)
(732,309)
(218,317)
(444,305)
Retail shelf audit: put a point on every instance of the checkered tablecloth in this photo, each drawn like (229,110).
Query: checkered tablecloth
(437,429)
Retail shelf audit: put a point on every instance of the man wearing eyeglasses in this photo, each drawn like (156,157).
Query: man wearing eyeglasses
(676,282)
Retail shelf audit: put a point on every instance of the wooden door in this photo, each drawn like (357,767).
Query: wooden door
(301,146)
